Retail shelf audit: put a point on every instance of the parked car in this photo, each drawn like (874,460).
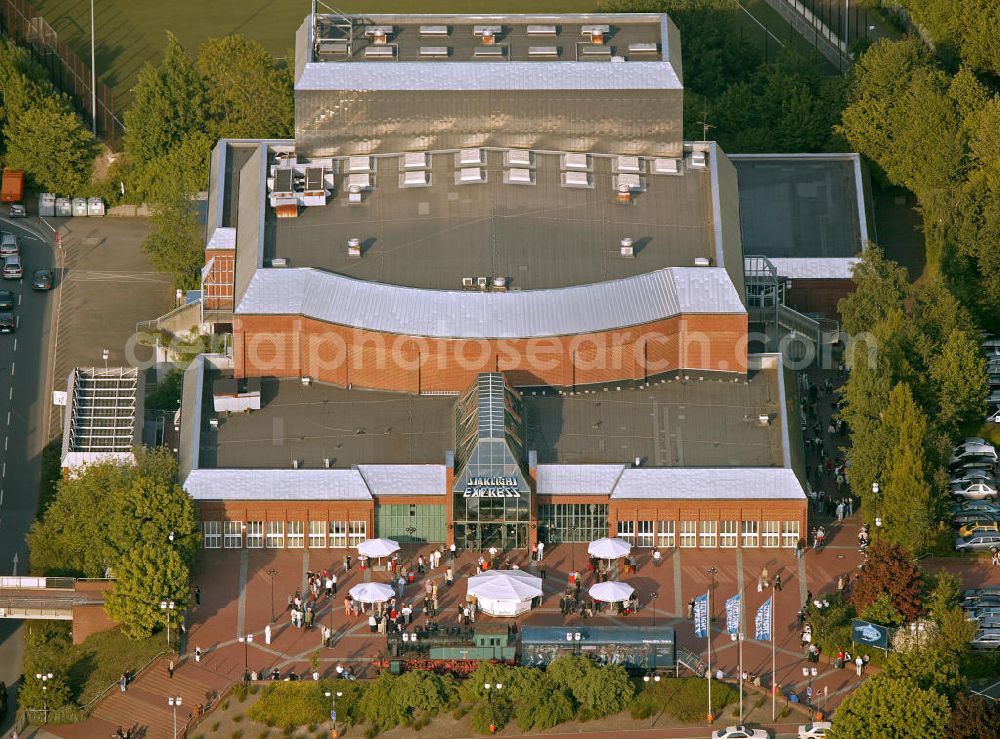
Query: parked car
(739,732)
(9,244)
(815,730)
(12,269)
(979,527)
(17,211)
(8,324)
(6,300)
(986,639)
(978,543)
(986,507)
(974,517)
(977,592)
(984,603)
(974,490)
(41,279)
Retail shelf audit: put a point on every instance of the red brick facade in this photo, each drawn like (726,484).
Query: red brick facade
(293,346)
(818,296)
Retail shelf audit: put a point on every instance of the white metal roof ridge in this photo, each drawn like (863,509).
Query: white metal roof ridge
(603,306)
(814,268)
(276,484)
(416,76)
(702,483)
(578,479)
(405,479)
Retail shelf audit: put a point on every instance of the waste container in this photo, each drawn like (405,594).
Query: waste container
(410,576)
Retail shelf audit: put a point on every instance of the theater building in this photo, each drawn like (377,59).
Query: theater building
(489,296)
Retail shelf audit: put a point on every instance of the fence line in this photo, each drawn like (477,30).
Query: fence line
(23,26)
(813,30)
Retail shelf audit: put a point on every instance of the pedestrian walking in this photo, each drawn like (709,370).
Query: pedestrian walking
(347,563)
(449,576)
(267,634)
(657,558)
(400,585)
(170,668)
(451,551)
(996,557)
(800,546)
(777,583)
(123,682)
(197,595)
(859,664)
(420,564)
(541,570)
(197,655)
(541,551)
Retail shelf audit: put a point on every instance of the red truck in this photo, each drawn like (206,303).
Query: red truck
(13,186)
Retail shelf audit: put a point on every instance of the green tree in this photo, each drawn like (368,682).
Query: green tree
(880,287)
(379,705)
(174,175)
(882,611)
(906,494)
(251,95)
(931,668)
(169,104)
(959,373)
(145,576)
(944,594)
(38,694)
(599,691)
(48,141)
(887,707)
(175,244)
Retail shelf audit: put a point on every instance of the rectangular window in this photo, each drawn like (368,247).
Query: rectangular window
(769,534)
(749,529)
(626,531)
(212,531)
(708,531)
(728,535)
(275,534)
(296,535)
(789,534)
(689,533)
(357,532)
(338,534)
(666,534)
(317,534)
(255,534)
(645,534)
(234,534)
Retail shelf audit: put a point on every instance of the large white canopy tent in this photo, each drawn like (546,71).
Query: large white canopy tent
(372,592)
(505,592)
(608,548)
(611,591)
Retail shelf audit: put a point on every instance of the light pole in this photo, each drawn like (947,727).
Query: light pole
(45,677)
(333,707)
(491,689)
(174,702)
(810,672)
(572,549)
(93,79)
(246,641)
(713,571)
(106,353)
(271,574)
(646,679)
(654,595)
(167,606)
(875,503)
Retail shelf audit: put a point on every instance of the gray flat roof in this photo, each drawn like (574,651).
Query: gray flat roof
(708,423)
(317,422)
(537,236)
(801,206)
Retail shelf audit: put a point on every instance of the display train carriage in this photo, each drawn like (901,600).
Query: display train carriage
(459,650)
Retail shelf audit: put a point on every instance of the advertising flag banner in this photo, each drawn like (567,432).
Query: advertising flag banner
(762,621)
(733,615)
(701,616)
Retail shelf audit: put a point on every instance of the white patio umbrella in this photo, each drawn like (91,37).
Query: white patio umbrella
(611,592)
(378,548)
(372,592)
(505,592)
(607,548)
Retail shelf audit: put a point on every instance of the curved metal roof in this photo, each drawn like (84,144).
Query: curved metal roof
(567,311)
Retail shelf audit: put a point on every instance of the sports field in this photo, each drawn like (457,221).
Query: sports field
(132,32)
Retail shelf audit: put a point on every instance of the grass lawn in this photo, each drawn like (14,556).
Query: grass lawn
(132,32)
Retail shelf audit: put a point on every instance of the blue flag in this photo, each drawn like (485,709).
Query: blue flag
(701,616)
(733,614)
(762,622)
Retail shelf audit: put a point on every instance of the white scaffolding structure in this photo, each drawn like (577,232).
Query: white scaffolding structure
(103,420)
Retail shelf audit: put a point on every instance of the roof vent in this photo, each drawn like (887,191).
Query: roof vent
(702,262)
(213,422)
(638,462)
(627,247)
(354,194)
(699,160)
(624,194)
(296,464)
(354,247)
(326,462)
(482,282)
(596,33)
(499,283)
(279,262)
(307,381)
(764,419)
(489,38)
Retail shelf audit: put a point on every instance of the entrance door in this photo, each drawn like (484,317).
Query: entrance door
(491,535)
(516,536)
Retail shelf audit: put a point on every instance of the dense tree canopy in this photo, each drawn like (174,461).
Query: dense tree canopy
(889,570)
(887,707)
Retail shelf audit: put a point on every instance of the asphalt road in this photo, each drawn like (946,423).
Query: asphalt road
(25,398)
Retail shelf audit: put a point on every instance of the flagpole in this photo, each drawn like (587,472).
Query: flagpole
(708,636)
(739,635)
(774,676)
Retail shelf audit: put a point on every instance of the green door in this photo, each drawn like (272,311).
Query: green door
(410,523)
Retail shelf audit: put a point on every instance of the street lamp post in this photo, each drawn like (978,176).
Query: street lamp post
(333,707)
(271,574)
(246,641)
(174,702)
(738,638)
(572,549)
(713,571)
(646,679)
(167,606)
(93,80)
(45,677)
(491,689)
(810,672)
(654,595)
(875,502)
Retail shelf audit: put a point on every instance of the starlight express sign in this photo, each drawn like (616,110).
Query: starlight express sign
(492,487)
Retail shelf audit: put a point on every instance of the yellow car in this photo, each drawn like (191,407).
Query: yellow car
(979,527)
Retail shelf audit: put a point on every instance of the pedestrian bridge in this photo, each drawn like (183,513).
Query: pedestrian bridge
(54,599)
